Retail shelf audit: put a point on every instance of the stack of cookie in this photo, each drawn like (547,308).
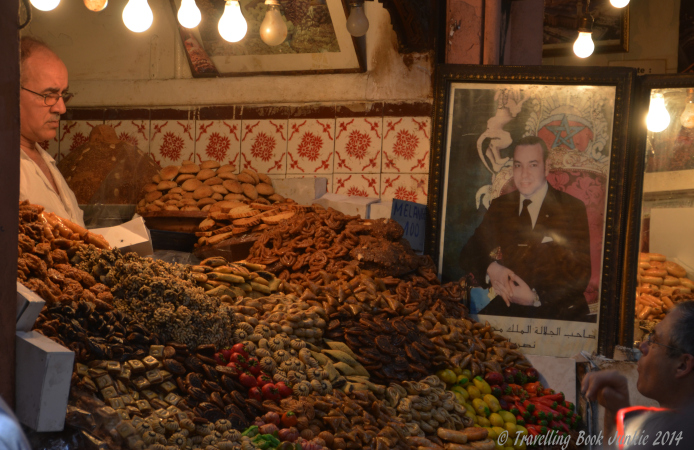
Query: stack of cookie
(195,187)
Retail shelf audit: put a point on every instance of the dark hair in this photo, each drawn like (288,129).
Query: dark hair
(533,140)
(682,331)
(27,46)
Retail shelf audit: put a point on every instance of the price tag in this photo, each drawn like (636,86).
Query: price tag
(413,219)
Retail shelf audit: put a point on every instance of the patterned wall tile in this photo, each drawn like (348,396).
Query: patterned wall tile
(74,133)
(52,146)
(172,141)
(311,146)
(406,144)
(357,184)
(328,176)
(264,145)
(358,145)
(409,187)
(219,140)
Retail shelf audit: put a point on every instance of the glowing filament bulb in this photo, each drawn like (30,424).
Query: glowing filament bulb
(619,3)
(96,5)
(583,47)
(137,16)
(658,118)
(232,26)
(188,14)
(45,5)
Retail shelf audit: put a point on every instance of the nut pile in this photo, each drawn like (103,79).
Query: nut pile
(161,295)
(44,245)
(196,187)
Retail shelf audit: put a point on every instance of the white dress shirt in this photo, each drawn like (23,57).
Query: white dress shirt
(536,203)
(35,187)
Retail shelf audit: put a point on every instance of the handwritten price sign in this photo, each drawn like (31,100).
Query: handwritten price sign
(413,218)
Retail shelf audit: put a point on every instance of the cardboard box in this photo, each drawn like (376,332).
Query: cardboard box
(29,307)
(43,372)
(131,236)
(348,205)
(304,191)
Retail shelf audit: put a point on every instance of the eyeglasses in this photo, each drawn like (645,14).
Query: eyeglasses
(52,99)
(648,340)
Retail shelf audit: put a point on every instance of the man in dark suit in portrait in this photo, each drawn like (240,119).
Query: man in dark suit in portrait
(533,245)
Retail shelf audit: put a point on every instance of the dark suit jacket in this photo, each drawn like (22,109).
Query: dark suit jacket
(558,270)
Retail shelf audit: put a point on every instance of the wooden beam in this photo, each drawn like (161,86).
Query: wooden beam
(9,186)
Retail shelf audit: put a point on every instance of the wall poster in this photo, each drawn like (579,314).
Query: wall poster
(524,207)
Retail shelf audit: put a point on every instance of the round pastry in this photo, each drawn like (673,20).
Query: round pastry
(226,168)
(152,208)
(156,179)
(644,257)
(202,192)
(150,187)
(188,202)
(233,197)
(264,189)
(686,282)
(233,186)
(226,175)
(206,201)
(219,189)
(660,273)
(675,269)
(644,265)
(213,181)
(176,190)
(217,196)
(184,176)
(189,168)
(653,280)
(152,196)
(211,164)
(204,174)
(244,177)
(191,185)
(276,198)
(253,174)
(657,257)
(169,172)
(166,185)
(249,191)
(264,178)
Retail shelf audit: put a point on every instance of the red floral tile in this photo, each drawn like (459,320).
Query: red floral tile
(264,145)
(357,184)
(328,176)
(219,140)
(358,145)
(52,146)
(74,133)
(311,146)
(406,144)
(134,131)
(172,141)
(411,187)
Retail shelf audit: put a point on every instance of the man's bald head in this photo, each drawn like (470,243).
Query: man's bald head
(42,73)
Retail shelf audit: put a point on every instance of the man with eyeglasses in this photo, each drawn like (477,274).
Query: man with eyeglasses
(42,99)
(666,374)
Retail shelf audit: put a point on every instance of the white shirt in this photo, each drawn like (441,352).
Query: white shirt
(35,187)
(537,198)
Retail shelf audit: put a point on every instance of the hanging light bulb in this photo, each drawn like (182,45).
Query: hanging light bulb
(658,118)
(273,30)
(96,5)
(137,16)
(45,5)
(584,47)
(232,26)
(687,117)
(357,23)
(619,3)
(188,14)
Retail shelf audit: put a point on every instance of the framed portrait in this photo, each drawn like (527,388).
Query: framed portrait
(525,202)
(560,27)
(317,41)
(661,207)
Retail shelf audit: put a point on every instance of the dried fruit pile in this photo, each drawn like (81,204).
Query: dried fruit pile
(196,187)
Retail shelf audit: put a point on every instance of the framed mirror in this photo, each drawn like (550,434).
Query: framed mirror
(660,230)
